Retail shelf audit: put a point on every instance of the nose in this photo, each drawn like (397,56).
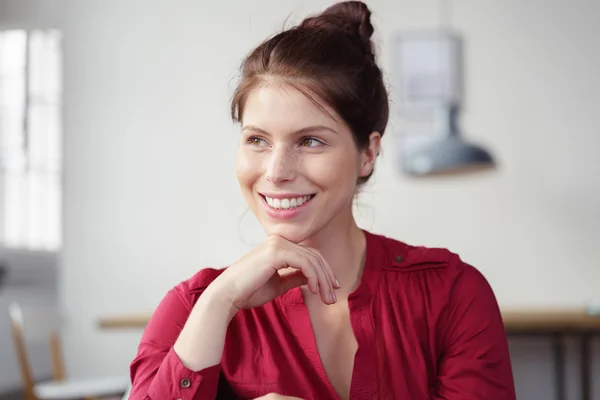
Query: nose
(281,166)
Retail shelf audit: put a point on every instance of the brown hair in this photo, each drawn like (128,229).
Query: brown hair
(329,55)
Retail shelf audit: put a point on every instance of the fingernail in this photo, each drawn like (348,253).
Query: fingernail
(337,284)
(333,297)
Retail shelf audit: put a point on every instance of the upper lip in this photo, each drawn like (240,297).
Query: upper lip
(285,195)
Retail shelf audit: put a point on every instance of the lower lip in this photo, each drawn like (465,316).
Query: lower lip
(281,213)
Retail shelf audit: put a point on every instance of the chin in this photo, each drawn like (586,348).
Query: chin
(294,234)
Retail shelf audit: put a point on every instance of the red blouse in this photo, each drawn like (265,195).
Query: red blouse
(427,327)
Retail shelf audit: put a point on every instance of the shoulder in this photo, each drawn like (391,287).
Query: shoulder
(399,256)
(436,281)
(437,265)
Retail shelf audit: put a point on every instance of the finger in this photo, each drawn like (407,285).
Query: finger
(318,261)
(335,283)
(292,280)
(312,270)
(299,261)
(325,284)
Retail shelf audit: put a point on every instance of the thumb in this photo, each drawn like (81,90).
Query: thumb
(291,280)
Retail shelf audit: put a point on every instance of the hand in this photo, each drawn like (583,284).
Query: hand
(275,396)
(257,278)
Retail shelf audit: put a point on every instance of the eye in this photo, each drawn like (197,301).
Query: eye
(255,141)
(310,142)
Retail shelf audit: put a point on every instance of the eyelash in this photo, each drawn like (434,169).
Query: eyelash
(321,143)
(252,140)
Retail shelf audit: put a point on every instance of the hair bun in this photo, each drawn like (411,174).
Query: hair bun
(350,17)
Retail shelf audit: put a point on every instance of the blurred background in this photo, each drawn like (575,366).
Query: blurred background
(117,162)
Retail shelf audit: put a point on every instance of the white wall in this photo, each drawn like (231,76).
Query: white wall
(150,189)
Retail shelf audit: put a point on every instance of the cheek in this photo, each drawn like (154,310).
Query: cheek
(334,171)
(247,169)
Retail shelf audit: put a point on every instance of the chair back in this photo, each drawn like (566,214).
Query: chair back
(37,325)
(126,395)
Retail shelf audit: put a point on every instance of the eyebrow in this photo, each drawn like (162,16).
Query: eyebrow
(306,130)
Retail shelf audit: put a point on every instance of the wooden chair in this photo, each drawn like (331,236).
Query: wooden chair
(127,393)
(35,324)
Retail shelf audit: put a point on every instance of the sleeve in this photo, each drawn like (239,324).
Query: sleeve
(156,372)
(475,361)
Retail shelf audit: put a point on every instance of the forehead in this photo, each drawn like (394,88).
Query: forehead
(280,107)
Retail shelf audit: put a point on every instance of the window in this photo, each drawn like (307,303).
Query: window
(30,139)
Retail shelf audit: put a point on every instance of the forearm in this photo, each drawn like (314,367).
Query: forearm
(201,341)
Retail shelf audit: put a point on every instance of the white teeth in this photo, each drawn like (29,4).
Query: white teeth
(287,203)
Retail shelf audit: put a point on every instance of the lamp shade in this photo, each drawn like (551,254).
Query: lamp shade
(450,153)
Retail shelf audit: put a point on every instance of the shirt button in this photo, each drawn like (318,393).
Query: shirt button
(399,259)
(185,383)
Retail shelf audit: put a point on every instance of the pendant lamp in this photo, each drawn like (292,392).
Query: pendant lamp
(449,153)
(428,75)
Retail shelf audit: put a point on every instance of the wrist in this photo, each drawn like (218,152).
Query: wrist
(217,298)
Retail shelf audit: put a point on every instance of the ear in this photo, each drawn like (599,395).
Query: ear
(369,155)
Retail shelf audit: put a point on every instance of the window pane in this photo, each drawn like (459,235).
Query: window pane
(53,206)
(30,139)
(44,67)
(12,51)
(11,137)
(15,216)
(12,98)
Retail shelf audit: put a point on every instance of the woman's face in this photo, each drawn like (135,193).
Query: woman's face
(296,165)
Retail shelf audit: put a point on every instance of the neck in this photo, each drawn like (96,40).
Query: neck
(342,243)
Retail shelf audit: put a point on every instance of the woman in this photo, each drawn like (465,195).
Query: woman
(322,309)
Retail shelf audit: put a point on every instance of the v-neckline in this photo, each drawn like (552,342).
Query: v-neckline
(364,369)
(304,333)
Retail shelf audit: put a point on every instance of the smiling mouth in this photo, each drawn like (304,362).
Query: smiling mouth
(287,203)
